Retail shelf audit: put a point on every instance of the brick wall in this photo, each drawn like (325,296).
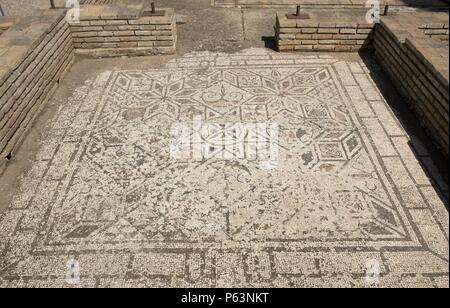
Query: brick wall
(30,70)
(327,4)
(114,34)
(98,2)
(313,35)
(415,58)
(436,30)
(418,66)
(37,51)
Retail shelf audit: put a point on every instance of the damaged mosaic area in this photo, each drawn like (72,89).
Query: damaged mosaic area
(346,190)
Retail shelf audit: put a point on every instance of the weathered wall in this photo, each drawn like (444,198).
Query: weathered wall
(436,30)
(115,34)
(418,66)
(315,35)
(414,56)
(325,3)
(35,53)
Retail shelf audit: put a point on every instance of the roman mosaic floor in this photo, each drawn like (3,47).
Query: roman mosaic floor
(252,169)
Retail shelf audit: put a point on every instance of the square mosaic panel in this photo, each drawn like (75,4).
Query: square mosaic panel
(105,181)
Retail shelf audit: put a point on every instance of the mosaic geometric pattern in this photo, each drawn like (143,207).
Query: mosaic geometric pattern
(105,191)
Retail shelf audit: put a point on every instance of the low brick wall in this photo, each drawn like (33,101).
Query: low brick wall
(99,2)
(414,56)
(114,32)
(418,66)
(436,30)
(313,35)
(35,53)
(326,4)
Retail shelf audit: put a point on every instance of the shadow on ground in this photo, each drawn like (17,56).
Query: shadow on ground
(432,161)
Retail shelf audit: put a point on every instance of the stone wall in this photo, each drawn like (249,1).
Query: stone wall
(99,2)
(436,30)
(415,57)
(104,31)
(314,35)
(327,4)
(418,66)
(35,53)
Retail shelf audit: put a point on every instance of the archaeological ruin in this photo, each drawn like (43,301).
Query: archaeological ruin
(224,143)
